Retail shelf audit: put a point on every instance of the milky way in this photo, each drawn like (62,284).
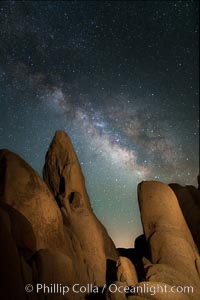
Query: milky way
(121,78)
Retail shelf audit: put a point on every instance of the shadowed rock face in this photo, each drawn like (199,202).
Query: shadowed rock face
(63,175)
(16,235)
(189,201)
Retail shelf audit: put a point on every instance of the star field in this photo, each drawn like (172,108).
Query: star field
(121,78)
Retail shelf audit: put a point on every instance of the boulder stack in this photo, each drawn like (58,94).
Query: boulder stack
(48,226)
(50,235)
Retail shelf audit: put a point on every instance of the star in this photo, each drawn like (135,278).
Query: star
(119,77)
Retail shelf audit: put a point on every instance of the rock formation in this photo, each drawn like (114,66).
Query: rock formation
(126,272)
(50,235)
(189,201)
(15,231)
(23,189)
(63,175)
(50,228)
(173,254)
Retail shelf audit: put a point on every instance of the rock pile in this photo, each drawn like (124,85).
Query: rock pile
(48,225)
(54,248)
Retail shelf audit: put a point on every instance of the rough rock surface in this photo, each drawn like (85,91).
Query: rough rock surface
(63,175)
(11,283)
(174,258)
(23,189)
(126,272)
(189,201)
(173,251)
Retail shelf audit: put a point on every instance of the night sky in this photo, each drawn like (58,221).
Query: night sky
(121,78)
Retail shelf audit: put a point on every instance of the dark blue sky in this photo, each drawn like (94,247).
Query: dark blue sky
(120,77)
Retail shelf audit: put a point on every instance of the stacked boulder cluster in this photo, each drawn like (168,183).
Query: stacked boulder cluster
(53,247)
